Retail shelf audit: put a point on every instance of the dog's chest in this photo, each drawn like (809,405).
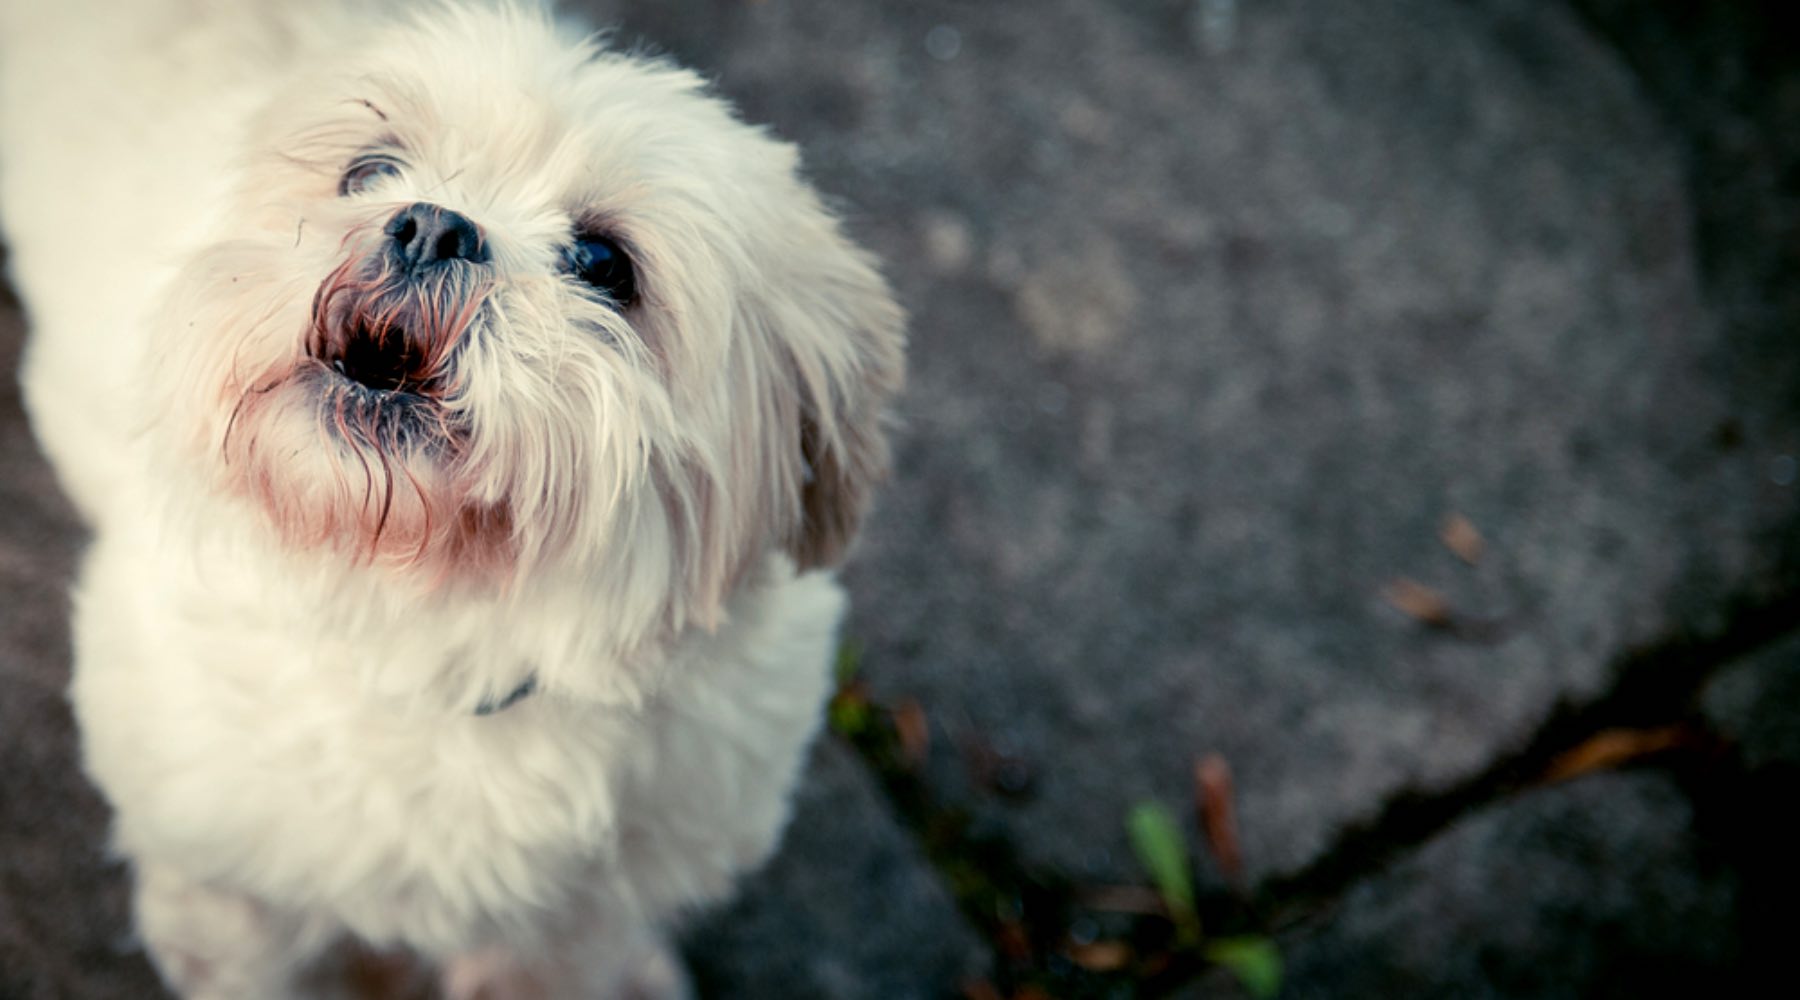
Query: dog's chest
(416,821)
(252,755)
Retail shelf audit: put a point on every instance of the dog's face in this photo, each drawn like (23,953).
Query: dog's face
(489,303)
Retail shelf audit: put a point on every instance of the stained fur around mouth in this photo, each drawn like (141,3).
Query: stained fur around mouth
(387,331)
(390,421)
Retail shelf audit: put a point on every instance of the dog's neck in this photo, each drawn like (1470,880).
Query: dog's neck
(425,644)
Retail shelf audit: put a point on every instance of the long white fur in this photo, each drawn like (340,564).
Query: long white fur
(276,687)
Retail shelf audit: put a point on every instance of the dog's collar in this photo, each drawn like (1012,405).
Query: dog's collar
(488,706)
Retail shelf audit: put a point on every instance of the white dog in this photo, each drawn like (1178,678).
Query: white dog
(464,413)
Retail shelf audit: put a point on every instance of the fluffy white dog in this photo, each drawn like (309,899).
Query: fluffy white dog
(464,413)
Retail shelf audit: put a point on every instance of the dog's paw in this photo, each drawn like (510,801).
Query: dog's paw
(213,944)
(644,970)
(492,974)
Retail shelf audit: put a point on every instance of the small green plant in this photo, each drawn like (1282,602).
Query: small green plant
(849,713)
(849,661)
(1254,959)
(1163,851)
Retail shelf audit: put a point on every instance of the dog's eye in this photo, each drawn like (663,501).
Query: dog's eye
(365,171)
(603,264)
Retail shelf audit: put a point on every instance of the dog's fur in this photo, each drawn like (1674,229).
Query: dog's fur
(307,601)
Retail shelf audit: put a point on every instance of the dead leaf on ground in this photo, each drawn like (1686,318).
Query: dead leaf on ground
(1101,956)
(1139,899)
(1460,536)
(1418,602)
(981,989)
(1013,939)
(1432,609)
(1611,748)
(914,732)
(1213,797)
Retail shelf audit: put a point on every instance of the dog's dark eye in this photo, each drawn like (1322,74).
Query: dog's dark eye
(365,171)
(603,264)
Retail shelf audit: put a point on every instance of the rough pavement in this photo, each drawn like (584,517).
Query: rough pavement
(1170,443)
(1594,888)
(847,910)
(1220,309)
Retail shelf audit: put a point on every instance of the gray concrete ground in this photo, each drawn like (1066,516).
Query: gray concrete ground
(1221,310)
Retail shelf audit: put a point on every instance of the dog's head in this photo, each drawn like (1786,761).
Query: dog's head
(489,301)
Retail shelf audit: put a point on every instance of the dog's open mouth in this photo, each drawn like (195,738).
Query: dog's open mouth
(379,386)
(384,348)
(390,334)
(382,358)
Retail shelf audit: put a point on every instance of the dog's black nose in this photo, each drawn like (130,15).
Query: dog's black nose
(425,234)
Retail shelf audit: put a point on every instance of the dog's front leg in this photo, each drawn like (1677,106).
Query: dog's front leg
(211,944)
(649,969)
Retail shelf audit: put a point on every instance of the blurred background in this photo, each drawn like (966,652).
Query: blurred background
(1345,539)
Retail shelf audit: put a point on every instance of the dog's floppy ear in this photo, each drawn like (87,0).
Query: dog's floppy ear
(812,357)
(845,340)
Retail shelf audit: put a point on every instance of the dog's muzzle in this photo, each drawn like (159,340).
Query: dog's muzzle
(391,322)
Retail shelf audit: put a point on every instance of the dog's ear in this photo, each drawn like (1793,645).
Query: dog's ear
(844,338)
(812,357)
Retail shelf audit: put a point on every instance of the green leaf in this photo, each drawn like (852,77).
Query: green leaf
(1253,959)
(1162,851)
(848,716)
(849,661)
